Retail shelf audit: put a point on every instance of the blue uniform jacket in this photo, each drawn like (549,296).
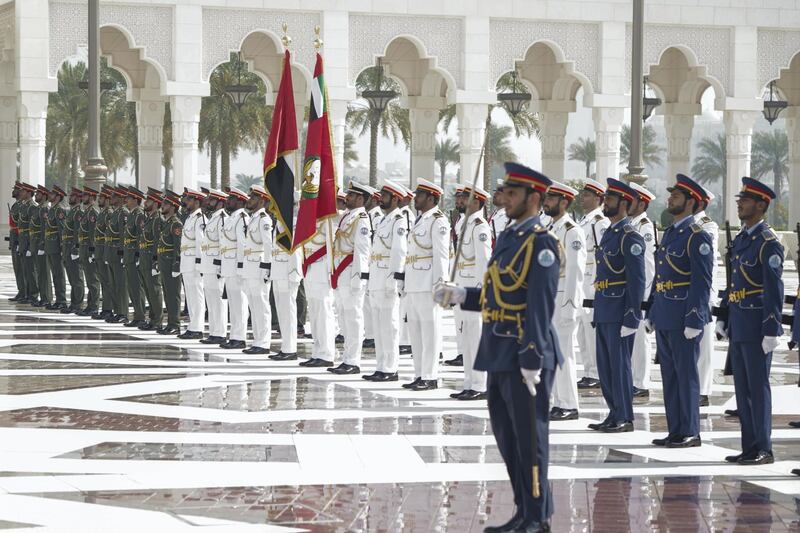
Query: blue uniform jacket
(517,301)
(620,278)
(755,298)
(684,263)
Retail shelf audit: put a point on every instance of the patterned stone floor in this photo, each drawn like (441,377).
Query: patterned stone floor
(104,429)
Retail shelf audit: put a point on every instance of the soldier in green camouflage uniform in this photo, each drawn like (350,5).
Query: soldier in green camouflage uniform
(114,256)
(28,259)
(37,247)
(86,248)
(169,245)
(54,219)
(70,252)
(101,239)
(131,256)
(13,243)
(148,262)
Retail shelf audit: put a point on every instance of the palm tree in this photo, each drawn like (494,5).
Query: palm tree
(245,181)
(350,153)
(166,146)
(498,148)
(770,154)
(392,123)
(119,139)
(67,123)
(583,150)
(711,165)
(651,152)
(448,152)
(226,129)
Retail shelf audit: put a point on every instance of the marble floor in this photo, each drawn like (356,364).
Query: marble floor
(106,429)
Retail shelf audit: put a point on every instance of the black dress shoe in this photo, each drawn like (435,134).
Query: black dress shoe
(732,412)
(340,339)
(371,377)
(456,361)
(409,385)
(512,525)
(16,298)
(135,323)
(344,368)
(559,414)
(703,400)
(685,442)
(316,362)
(256,350)
(49,306)
(457,395)
(535,527)
(619,427)
(61,306)
(796,471)
(425,384)
(191,335)
(472,395)
(149,326)
(665,440)
(598,426)
(588,383)
(168,331)
(368,343)
(641,393)
(761,458)
(66,310)
(87,312)
(386,376)
(40,303)
(212,339)
(405,349)
(117,319)
(738,457)
(794,424)
(280,356)
(97,316)
(233,345)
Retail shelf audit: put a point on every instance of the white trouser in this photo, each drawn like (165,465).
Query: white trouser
(257,292)
(320,317)
(468,329)
(193,285)
(425,333)
(565,386)
(217,307)
(237,305)
(587,343)
(285,293)
(705,363)
(641,361)
(368,330)
(404,339)
(385,318)
(351,321)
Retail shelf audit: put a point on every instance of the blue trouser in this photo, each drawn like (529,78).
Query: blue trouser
(678,356)
(510,406)
(753,395)
(614,369)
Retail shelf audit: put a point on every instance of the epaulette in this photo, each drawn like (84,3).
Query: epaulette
(769,235)
(362,214)
(598,217)
(263,214)
(398,216)
(479,221)
(539,229)
(627,228)
(438,214)
(705,220)
(569,225)
(696,228)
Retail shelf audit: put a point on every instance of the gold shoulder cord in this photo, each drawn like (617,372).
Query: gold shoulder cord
(669,261)
(608,264)
(414,237)
(494,273)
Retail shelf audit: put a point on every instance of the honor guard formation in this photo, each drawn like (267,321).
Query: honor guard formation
(525,281)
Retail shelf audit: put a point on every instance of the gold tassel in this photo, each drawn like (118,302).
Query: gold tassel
(536,491)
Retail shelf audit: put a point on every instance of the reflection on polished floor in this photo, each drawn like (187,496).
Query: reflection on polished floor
(104,429)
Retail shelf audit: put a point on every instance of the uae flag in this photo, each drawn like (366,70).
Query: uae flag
(318,198)
(278,175)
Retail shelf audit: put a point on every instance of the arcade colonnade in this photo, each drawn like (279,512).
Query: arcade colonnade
(439,52)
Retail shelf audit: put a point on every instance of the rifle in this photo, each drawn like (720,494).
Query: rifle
(587,303)
(723,314)
(792,298)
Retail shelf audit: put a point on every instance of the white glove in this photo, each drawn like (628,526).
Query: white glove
(401,287)
(28,253)
(691,333)
(74,257)
(649,327)
(769,344)
(447,294)
(719,329)
(91,259)
(358,284)
(153,272)
(531,379)
(626,331)
(40,252)
(176,274)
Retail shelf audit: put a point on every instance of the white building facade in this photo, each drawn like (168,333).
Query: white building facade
(441,52)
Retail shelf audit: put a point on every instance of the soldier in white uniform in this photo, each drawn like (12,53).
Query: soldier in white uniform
(460,201)
(705,368)
(387,262)
(210,266)
(409,215)
(472,263)
(498,220)
(191,255)
(642,358)
(228,246)
(317,269)
(593,224)
(351,254)
(256,264)
(426,265)
(287,272)
(373,208)
(569,299)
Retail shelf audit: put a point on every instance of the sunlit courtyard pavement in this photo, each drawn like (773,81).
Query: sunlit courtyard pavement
(106,429)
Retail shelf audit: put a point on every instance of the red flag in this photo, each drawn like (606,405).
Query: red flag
(318,199)
(278,175)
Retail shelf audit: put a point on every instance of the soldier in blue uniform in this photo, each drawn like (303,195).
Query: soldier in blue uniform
(680,310)
(517,303)
(795,341)
(619,292)
(753,303)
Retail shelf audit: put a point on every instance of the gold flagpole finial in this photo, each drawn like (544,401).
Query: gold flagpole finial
(317,40)
(286,40)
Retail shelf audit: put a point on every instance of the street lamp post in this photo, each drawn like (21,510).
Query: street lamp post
(635,164)
(95,169)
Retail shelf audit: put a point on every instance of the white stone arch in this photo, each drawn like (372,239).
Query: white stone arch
(691,88)
(776,50)
(787,81)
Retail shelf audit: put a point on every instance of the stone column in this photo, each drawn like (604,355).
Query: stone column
(738,134)
(792,116)
(471,131)
(607,127)
(185,112)
(552,131)
(8,158)
(679,140)
(32,116)
(150,122)
(423,143)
